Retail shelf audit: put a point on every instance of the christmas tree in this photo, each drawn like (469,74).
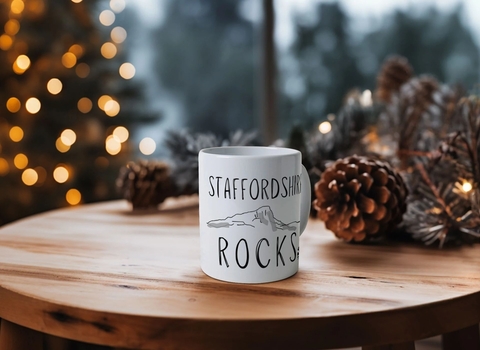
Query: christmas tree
(66,103)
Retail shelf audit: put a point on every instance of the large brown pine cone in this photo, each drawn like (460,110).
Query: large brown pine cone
(360,198)
(146,184)
(395,72)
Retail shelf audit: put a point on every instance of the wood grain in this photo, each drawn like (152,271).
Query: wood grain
(101,274)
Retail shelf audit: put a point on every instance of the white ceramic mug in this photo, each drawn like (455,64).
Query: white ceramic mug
(254,205)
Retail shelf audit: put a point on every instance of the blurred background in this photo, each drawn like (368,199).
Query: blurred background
(86,86)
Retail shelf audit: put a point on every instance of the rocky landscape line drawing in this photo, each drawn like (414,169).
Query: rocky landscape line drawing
(261,216)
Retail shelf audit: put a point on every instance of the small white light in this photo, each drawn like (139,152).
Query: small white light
(147,146)
(467,187)
(325,127)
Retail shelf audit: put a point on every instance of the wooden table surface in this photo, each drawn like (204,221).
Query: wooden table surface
(102,274)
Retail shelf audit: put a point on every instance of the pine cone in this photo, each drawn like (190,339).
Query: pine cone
(395,72)
(146,184)
(360,198)
(417,96)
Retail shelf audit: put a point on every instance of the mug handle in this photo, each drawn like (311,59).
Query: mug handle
(305,200)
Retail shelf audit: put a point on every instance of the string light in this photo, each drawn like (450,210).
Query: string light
(68,137)
(118,35)
(54,86)
(29,177)
(127,70)
(5,42)
(21,64)
(84,105)
(117,5)
(16,134)
(102,100)
(76,49)
(108,50)
(366,98)
(4,167)
(61,147)
(325,127)
(112,108)
(147,146)
(20,161)
(73,196)
(60,174)
(13,104)
(121,133)
(12,27)
(112,145)
(467,187)
(69,59)
(17,6)
(107,18)
(33,105)
(82,70)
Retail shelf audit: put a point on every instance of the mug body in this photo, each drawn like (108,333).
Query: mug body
(250,213)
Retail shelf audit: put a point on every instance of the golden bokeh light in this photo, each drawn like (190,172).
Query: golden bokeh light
(325,127)
(76,49)
(127,70)
(69,59)
(23,62)
(68,137)
(16,134)
(121,133)
(29,177)
(20,161)
(107,18)
(108,50)
(147,146)
(84,105)
(4,167)
(5,42)
(54,86)
(17,6)
(467,187)
(117,5)
(12,27)
(13,104)
(61,147)
(112,145)
(82,70)
(73,196)
(118,35)
(33,105)
(102,100)
(112,108)
(37,8)
(60,174)
(76,1)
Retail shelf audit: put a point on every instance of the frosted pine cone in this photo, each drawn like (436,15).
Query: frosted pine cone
(360,198)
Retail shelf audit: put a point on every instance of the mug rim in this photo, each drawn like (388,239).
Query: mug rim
(249,151)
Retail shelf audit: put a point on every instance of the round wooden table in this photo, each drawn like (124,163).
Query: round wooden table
(103,274)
